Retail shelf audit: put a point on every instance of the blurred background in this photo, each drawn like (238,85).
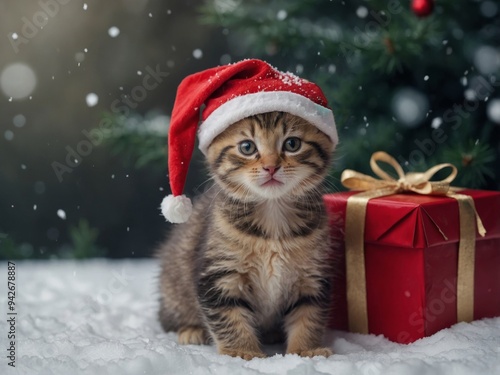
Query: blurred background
(87,86)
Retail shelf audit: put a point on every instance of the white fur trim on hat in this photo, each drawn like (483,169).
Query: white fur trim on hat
(261,102)
(176,209)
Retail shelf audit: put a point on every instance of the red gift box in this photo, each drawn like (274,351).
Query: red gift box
(411,247)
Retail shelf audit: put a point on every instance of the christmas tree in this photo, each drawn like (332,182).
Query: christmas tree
(415,79)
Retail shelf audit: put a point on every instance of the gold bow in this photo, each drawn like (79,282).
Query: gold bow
(414,181)
(417,182)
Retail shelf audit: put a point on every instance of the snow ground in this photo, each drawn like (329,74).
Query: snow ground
(99,317)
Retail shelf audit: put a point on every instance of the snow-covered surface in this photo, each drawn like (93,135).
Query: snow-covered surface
(99,317)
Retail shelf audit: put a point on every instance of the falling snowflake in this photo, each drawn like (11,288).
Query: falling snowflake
(113,31)
(92,99)
(281,15)
(198,53)
(436,122)
(61,214)
(19,121)
(9,135)
(493,110)
(470,94)
(362,12)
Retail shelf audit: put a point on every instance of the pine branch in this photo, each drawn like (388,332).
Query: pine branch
(139,141)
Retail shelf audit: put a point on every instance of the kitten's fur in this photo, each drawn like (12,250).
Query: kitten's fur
(251,264)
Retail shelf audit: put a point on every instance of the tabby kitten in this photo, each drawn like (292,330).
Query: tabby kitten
(251,264)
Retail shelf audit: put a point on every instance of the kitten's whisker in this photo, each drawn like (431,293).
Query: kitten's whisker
(214,199)
(211,178)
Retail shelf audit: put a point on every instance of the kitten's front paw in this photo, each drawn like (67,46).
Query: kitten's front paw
(325,352)
(242,353)
(192,335)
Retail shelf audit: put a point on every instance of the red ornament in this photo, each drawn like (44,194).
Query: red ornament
(422,8)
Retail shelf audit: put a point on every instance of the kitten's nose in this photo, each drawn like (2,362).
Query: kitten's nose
(271,169)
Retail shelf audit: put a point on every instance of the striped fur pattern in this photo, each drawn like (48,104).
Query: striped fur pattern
(251,264)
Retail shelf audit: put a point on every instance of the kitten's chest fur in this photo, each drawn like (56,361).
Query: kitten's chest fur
(276,218)
(273,261)
(271,278)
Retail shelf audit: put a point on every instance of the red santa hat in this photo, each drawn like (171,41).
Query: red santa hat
(230,93)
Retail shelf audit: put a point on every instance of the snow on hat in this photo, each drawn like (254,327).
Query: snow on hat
(231,93)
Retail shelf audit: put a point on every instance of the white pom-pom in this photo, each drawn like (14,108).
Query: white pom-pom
(176,209)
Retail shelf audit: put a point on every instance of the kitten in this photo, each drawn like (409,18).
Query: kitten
(251,264)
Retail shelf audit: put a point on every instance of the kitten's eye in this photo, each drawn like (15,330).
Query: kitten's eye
(247,148)
(292,144)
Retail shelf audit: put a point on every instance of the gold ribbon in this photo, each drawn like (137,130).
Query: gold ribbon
(417,182)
